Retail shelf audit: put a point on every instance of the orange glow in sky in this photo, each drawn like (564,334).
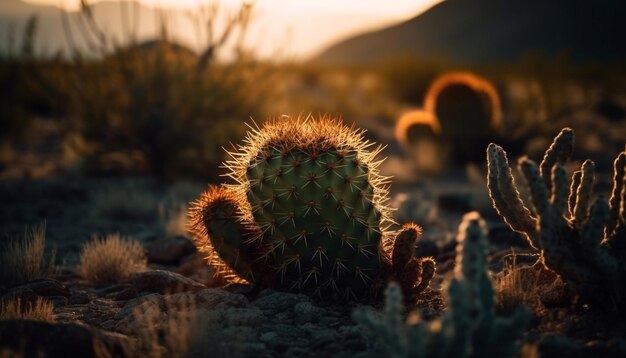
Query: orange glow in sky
(298,28)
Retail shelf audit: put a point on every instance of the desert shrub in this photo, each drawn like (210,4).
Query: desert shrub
(162,104)
(22,259)
(111,259)
(39,310)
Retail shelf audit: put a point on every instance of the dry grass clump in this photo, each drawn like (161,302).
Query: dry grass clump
(530,286)
(40,310)
(22,259)
(111,259)
(165,334)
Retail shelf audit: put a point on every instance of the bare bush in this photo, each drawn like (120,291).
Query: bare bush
(111,259)
(22,259)
(39,310)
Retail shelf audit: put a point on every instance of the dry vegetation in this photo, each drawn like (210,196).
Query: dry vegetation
(22,259)
(111,259)
(39,310)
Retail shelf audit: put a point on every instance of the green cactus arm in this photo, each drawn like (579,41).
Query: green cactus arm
(228,240)
(504,194)
(615,202)
(559,152)
(404,247)
(538,190)
(583,194)
(428,272)
(593,228)
(571,201)
(560,190)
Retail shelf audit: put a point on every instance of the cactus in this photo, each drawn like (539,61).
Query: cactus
(468,328)
(584,245)
(307,214)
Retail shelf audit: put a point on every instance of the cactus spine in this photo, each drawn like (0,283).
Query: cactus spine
(311,214)
(469,326)
(584,244)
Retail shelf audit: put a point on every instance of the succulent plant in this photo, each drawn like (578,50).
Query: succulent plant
(585,244)
(307,214)
(468,328)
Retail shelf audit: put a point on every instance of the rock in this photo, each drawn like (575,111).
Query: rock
(79,298)
(123,295)
(276,302)
(306,312)
(129,308)
(195,267)
(108,290)
(35,338)
(20,293)
(57,301)
(169,250)
(192,263)
(214,298)
(242,317)
(164,282)
(46,287)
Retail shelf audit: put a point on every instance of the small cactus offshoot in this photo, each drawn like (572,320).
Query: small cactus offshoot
(308,214)
(468,328)
(585,244)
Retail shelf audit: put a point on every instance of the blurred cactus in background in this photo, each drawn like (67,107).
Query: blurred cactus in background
(308,214)
(585,244)
(462,113)
(468,327)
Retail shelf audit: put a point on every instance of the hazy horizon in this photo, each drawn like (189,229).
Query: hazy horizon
(290,30)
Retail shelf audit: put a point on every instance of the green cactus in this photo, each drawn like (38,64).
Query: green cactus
(469,326)
(584,245)
(308,214)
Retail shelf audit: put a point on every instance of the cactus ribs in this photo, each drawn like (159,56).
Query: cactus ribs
(308,214)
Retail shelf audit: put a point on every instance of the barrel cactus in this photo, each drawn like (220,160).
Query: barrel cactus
(307,213)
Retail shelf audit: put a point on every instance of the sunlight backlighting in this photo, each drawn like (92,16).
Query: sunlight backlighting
(476,83)
(415,118)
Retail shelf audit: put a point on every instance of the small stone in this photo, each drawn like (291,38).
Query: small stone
(276,302)
(243,316)
(57,301)
(105,291)
(123,295)
(46,287)
(79,298)
(306,312)
(169,250)
(164,282)
(130,306)
(213,298)
(20,293)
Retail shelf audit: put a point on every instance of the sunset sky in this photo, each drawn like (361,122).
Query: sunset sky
(301,28)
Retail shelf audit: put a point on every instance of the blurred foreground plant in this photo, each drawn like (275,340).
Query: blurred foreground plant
(468,327)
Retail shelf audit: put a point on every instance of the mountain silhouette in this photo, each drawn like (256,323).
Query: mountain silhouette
(476,31)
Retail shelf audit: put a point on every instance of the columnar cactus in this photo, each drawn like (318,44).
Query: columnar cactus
(584,245)
(469,326)
(307,214)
